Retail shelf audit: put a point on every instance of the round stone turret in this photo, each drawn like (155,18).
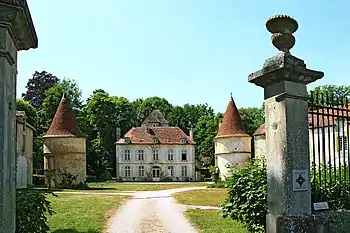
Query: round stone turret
(232,143)
(65,148)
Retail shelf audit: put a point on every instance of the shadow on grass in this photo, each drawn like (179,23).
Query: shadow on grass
(72,231)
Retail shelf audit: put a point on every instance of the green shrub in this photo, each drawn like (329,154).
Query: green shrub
(31,210)
(247,193)
(332,185)
(246,200)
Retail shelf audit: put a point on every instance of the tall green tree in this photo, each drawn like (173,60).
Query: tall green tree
(204,134)
(104,114)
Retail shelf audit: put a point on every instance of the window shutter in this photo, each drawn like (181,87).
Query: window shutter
(336,143)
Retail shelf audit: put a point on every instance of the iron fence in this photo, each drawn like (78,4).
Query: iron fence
(329,145)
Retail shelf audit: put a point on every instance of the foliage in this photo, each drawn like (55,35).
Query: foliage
(32,209)
(332,95)
(332,185)
(36,87)
(144,107)
(31,114)
(53,97)
(204,133)
(247,196)
(252,118)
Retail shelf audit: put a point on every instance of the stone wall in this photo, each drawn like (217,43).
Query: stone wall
(232,151)
(260,146)
(67,157)
(25,144)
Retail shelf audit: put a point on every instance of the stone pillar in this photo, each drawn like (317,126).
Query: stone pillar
(284,79)
(16,33)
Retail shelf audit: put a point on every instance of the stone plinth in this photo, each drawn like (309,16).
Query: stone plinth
(66,156)
(16,33)
(284,78)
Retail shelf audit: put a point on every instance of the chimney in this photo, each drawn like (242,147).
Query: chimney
(191,134)
(117,133)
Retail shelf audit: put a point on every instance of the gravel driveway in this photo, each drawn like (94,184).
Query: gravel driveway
(151,212)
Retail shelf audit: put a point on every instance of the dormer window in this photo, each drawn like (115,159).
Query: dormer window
(155,140)
(183,141)
(127,140)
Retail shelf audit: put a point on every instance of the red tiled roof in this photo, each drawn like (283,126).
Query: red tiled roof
(321,118)
(64,122)
(165,135)
(260,131)
(231,124)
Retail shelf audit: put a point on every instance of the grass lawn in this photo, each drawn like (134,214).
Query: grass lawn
(206,197)
(209,221)
(122,187)
(81,213)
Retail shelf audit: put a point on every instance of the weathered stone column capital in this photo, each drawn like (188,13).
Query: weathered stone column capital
(283,66)
(15,15)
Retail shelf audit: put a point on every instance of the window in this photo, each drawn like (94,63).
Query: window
(183,171)
(127,171)
(155,155)
(141,171)
(171,171)
(170,154)
(343,143)
(154,125)
(183,141)
(126,140)
(183,155)
(140,155)
(155,140)
(127,154)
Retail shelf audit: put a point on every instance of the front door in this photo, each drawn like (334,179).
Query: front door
(156,173)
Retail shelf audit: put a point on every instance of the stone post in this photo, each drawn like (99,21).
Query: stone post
(284,79)
(16,33)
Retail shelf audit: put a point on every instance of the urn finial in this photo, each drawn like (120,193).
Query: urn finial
(282,28)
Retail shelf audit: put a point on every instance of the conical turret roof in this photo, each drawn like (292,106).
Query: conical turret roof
(231,124)
(64,122)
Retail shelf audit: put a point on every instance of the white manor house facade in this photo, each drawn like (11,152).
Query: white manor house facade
(155,152)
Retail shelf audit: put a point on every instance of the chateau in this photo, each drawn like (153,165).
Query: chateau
(155,151)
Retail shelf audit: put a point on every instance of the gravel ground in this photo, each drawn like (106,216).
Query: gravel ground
(151,212)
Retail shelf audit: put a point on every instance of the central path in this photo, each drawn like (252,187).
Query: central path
(151,212)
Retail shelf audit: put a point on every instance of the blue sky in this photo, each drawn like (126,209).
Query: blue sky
(187,51)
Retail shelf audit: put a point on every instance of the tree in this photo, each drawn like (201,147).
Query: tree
(32,116)
(104,113)
(53,97)
(204,134)
(145,106)
(252,118)
(36,87)
(186,117)
(333,95)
